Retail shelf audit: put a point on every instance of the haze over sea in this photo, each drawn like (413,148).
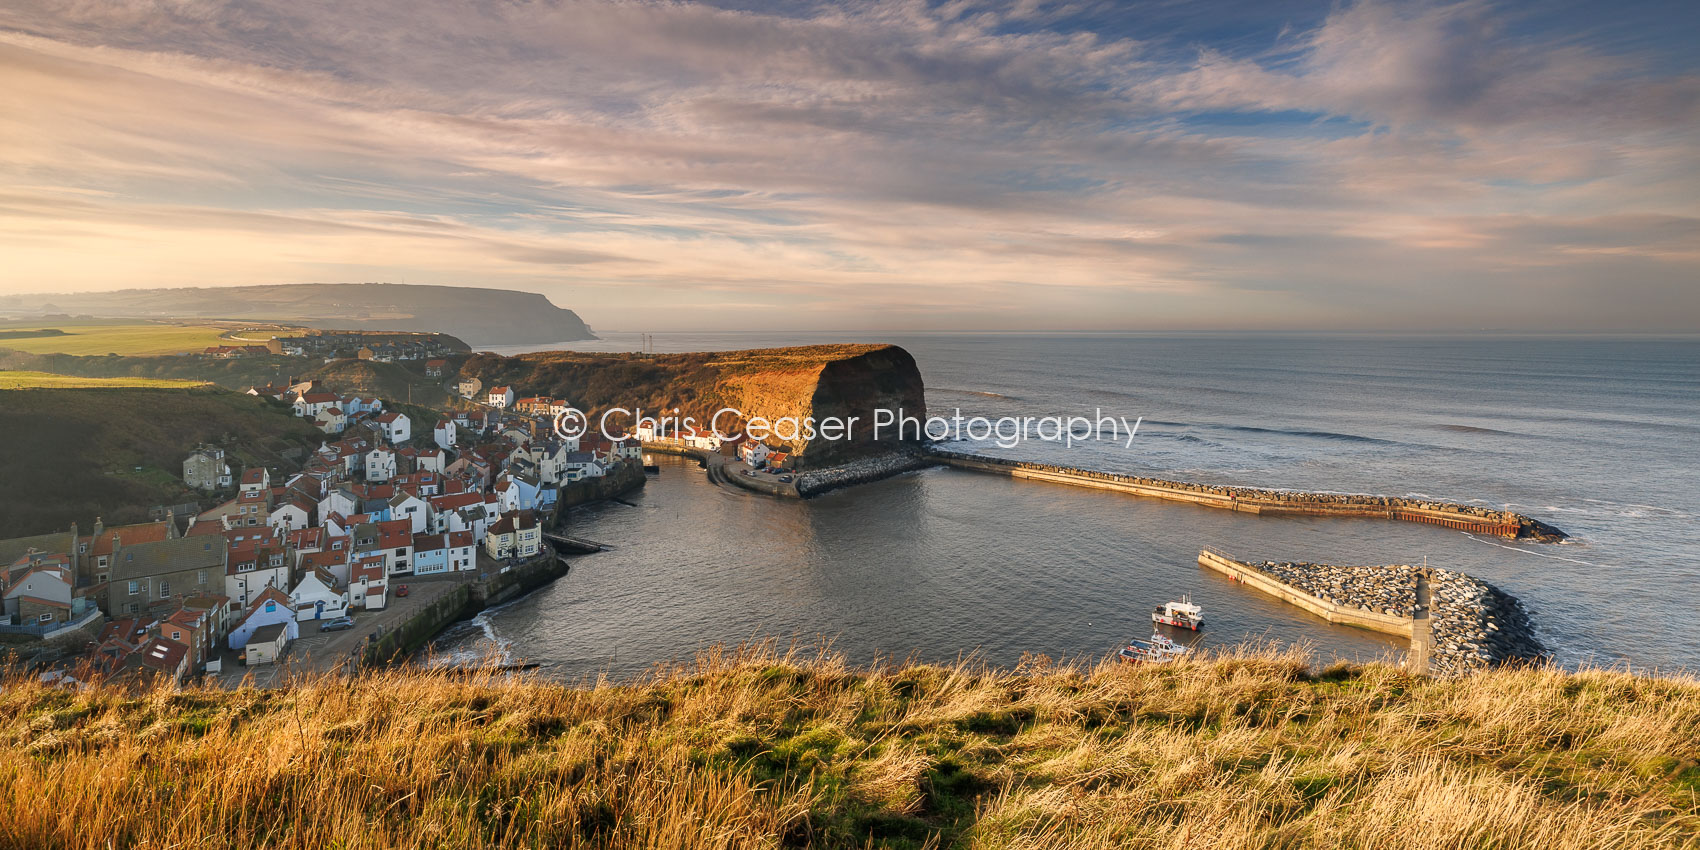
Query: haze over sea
(1599,436)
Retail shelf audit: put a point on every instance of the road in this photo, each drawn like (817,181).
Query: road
(317,652)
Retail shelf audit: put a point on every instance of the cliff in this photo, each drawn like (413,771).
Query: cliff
(820,381)
(479,316)
(764,749)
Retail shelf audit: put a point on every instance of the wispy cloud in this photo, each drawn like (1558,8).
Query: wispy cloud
(924,165)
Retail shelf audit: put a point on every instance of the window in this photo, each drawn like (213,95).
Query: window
(201,576)
(164,589)
(45,618)
(176,635)
(135,588)
(100,578)
(401,553)
(271,607)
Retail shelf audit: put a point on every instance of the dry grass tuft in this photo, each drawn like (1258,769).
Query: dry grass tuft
(758,747)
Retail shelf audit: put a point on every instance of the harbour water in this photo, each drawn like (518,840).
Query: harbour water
(1600,437)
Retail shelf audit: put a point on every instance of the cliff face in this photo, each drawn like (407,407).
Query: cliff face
(812,381)
(480,316)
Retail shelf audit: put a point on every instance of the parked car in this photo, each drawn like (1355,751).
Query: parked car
(785,479)
(401,590)
(337,624)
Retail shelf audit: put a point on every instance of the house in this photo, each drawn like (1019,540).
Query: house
(368,582)
(380,464)
(517,534)
(435,368)
(217,608)
(192,629)
(331,420)
(395,427)
(308,404)
(394,538)
(256,559)
(444,434)
(270,608)
(443,553)
(337,563)
(753,453)
(522,491)
(469,387)
(315,595)
(145,573)
(471,512)
(340,500)
(411,508)
(501,397)
(577,466)
(255,480)
(156,659)
(37,589)
(430,460)
(296,511)
(206,469)
(266,644)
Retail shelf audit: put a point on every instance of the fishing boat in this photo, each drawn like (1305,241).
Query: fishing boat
(1161,643)
(1139,652)
(1182,614)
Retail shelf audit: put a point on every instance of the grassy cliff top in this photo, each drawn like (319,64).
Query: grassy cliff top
(760,749)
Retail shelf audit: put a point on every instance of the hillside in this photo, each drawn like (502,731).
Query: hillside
(75,454)
(479,316)
(761,750)
(819,381)
(389,381)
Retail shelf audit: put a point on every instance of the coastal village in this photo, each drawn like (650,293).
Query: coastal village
(385,506)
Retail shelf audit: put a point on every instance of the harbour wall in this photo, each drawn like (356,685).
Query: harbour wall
(1397,625)
(1252,500)
(1456,623)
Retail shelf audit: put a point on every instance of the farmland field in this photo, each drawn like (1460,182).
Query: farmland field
(96,338)
(44,380)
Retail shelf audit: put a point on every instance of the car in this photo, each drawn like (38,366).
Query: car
(337,624)
(401,590)
(785,479)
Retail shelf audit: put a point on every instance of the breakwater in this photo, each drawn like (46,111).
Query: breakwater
(1255,500)
(1456,622)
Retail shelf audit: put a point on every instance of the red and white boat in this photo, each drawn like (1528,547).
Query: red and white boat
(1181,615)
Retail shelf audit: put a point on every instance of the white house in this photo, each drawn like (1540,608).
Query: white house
(380,464)
(315,596)
(443,553)
(256,479)
(753,453)
(295,511)
(266,644)
(368,582)
(308,405)
(444,434)
(271,607)
(501,397)
(341,501)
(411,508)
(394,426)
(331,420)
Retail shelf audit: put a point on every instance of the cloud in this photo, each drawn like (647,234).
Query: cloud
(967,164)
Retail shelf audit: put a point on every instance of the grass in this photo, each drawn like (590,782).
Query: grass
(758,748)
(46,380)
(123,339)
(112,452)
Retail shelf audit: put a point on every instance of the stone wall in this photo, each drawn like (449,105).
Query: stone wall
(1259,501)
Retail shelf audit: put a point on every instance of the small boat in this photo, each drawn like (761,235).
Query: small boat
(1161,643)
(1182,614)
(1141,653)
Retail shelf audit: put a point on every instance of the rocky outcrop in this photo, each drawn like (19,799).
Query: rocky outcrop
(818,382)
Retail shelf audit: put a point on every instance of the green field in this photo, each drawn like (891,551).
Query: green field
(127,338)
(40,380)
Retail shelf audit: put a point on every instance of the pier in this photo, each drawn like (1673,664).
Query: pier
(1258,501)
(1455,623)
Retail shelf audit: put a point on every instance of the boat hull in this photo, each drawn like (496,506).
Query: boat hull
(1177,622)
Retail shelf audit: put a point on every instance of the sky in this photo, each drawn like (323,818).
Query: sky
(1234,164)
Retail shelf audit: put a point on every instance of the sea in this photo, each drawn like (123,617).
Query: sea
(1599,436)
